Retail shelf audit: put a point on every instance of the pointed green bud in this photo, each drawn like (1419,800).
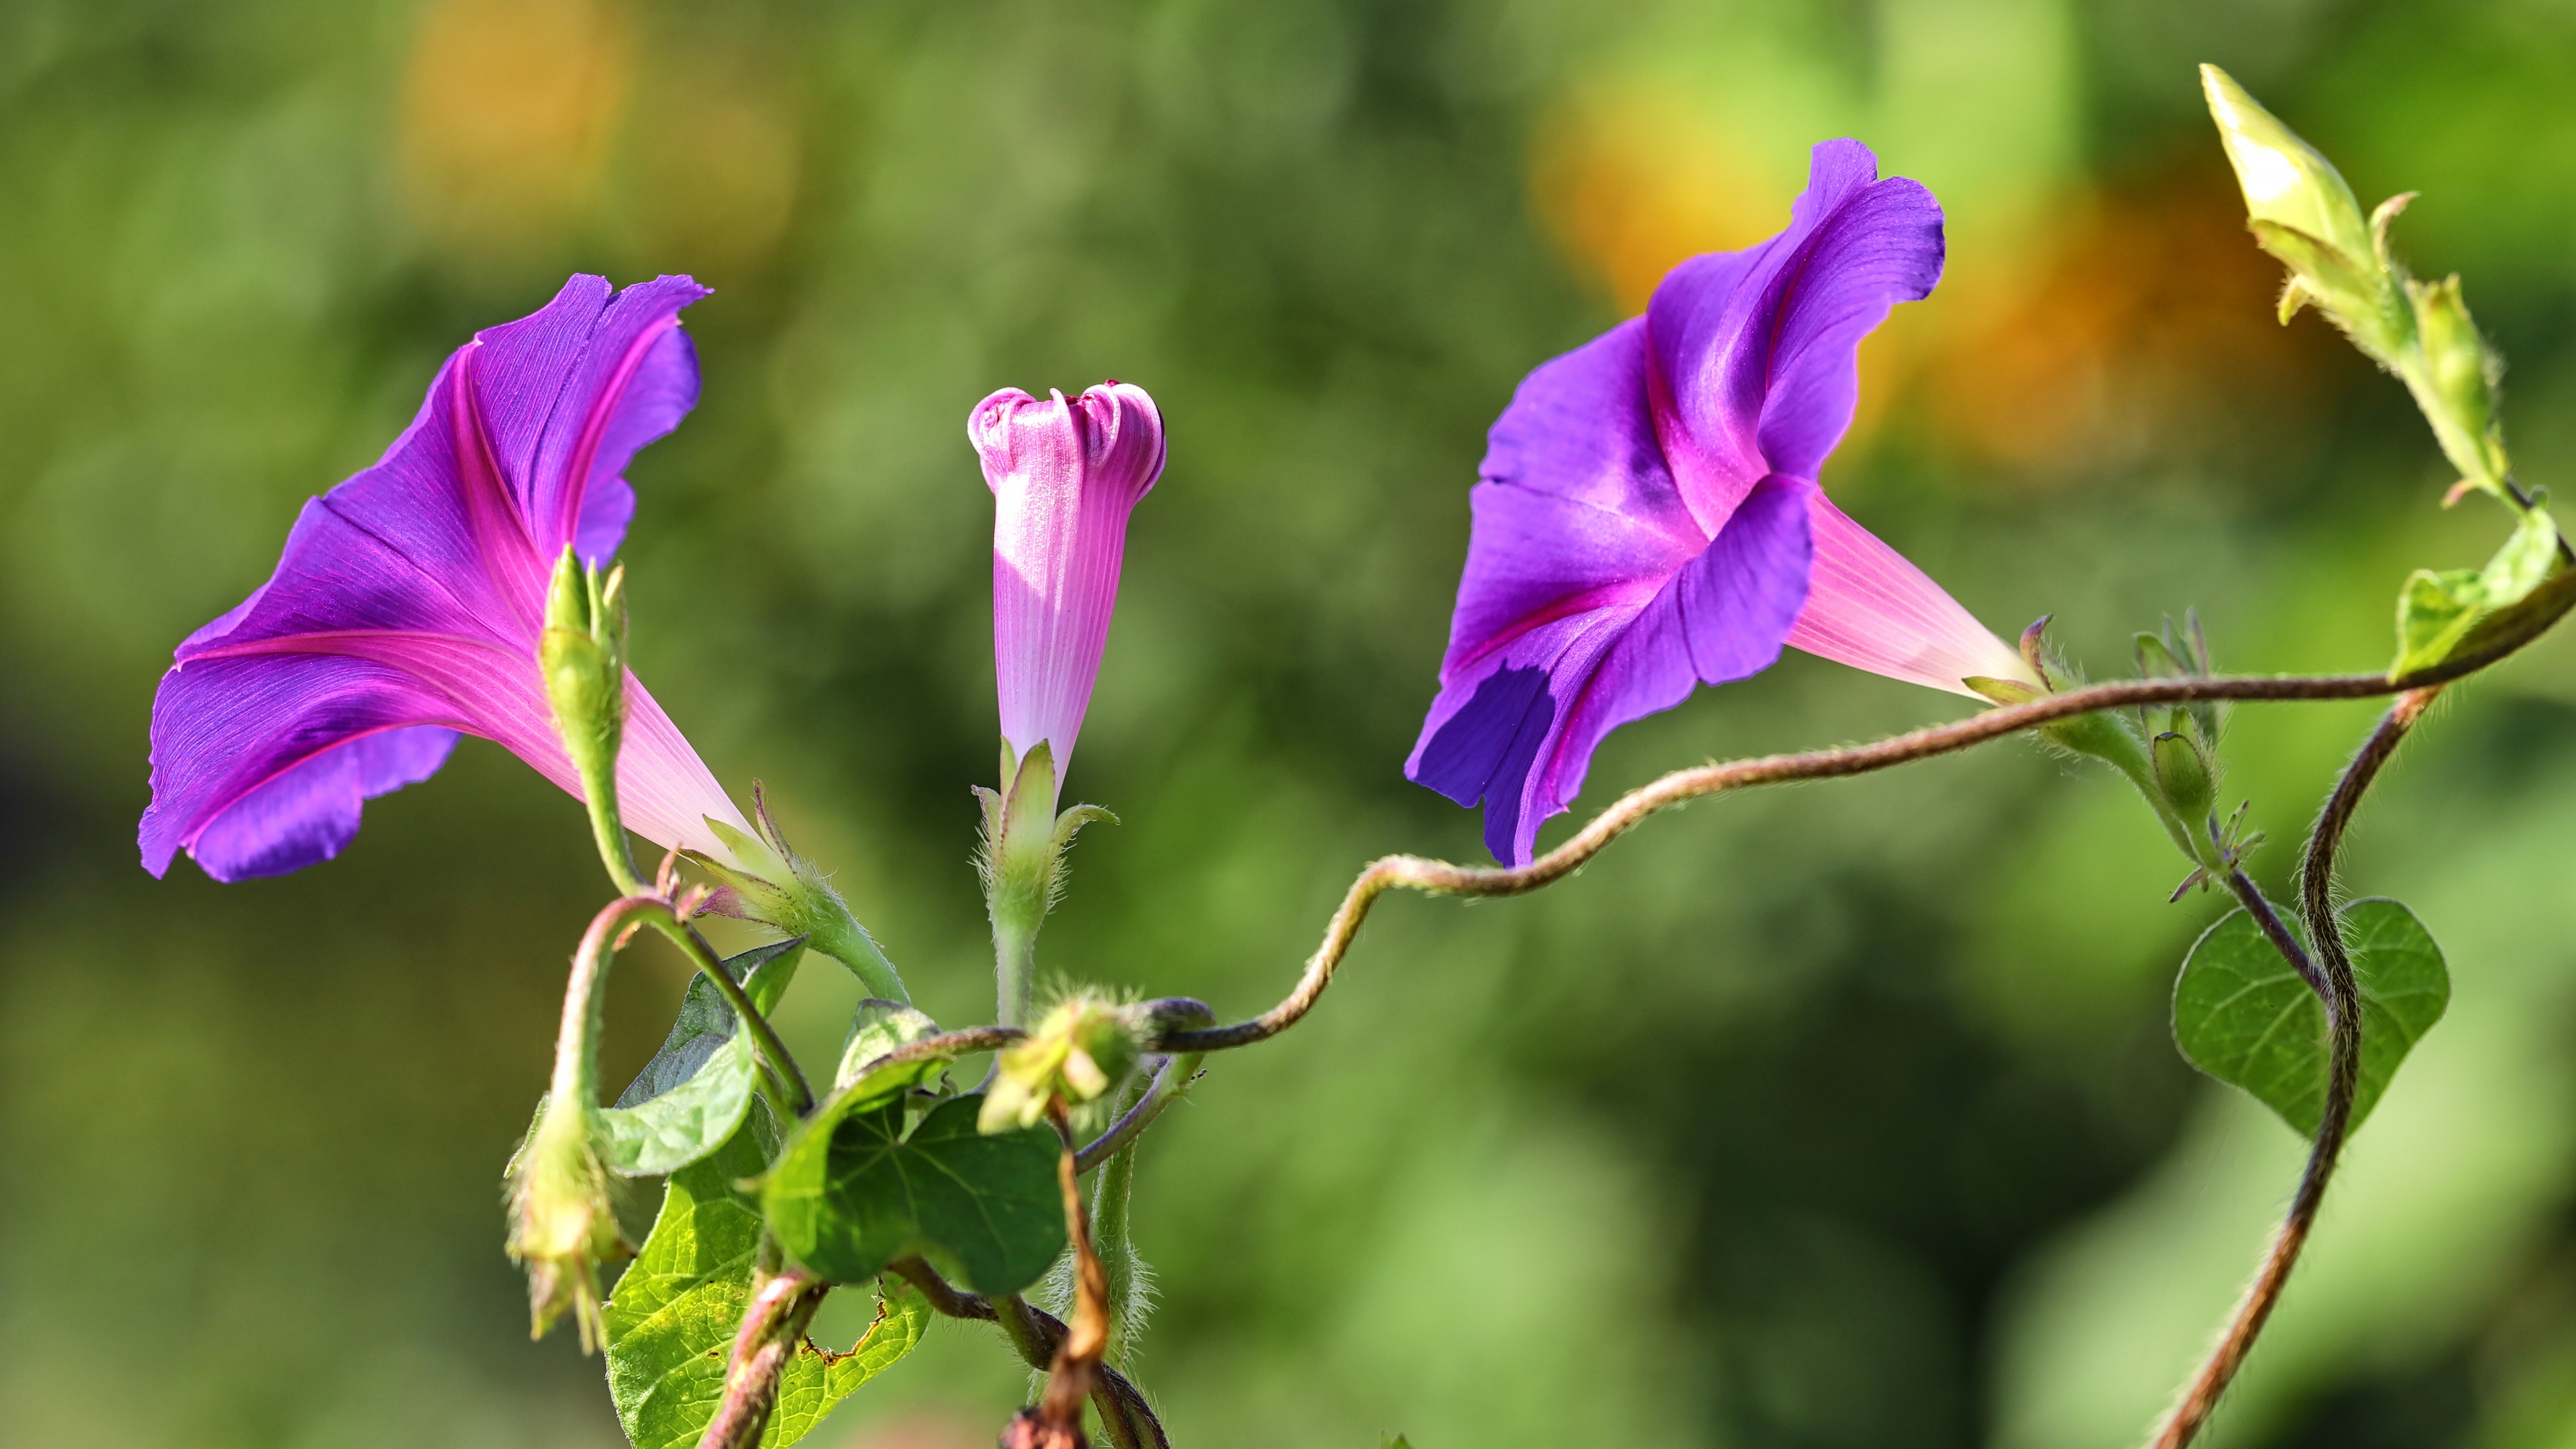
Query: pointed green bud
(2184,774)
(2460,374)
(562,1227)
(2301,211)
(2285,181)
(582,654)
(1082,1050)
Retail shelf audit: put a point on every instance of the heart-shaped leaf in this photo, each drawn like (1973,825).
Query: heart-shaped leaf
(672,1320)
(700,1085)
(846,1201)
(2242,1014)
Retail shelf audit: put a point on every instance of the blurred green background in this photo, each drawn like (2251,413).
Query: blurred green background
(1836,1116)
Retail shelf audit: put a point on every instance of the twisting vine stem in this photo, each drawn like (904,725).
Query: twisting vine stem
(1036,1334)
(2330,976)
(1439,877)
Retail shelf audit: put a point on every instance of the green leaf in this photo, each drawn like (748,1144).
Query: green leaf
(2438,612)
(2523,562)
(878,1028)
(847,1200)
(2242,1015)
(700,1085)
(672,1320)
(2434,612)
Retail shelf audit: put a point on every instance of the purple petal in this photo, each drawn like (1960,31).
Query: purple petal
(636,378)
(1577,510)
(305,815)
(407,602)
(273,733)
(1517,728)
(1759,349)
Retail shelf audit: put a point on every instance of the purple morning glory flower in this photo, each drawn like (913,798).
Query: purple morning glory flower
(1064,476)
(1648,518)
(407,606)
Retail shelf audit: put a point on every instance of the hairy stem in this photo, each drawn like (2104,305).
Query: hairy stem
(1036,1333)
(2330,975)
(1071,1372)
(599,797)
(1439,877)
(774,1056)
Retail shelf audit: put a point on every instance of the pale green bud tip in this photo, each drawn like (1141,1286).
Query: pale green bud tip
(562,1226)
(582,655)
(2285,180)
(1080,1053)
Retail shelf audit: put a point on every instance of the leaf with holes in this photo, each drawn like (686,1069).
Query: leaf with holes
(672,1320)
(2243,1015)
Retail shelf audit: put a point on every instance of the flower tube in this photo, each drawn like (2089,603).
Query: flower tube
(1064,477)
(1648,518)
(409,601)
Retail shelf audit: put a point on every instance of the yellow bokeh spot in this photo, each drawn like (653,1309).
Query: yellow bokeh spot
(509,111)
(1632,183)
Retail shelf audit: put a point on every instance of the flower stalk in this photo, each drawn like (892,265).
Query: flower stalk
(582,655)
(2330,975)
(563,1226)
(1025,838)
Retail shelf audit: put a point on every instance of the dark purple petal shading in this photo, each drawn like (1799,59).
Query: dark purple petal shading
(1517,728)
(304,816)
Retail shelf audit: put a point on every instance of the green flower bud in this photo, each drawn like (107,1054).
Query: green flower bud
(2301,211)
(561,1224)
(2460,375)
(1082,1050)
(2284,179)
(582,654)
(2184,774)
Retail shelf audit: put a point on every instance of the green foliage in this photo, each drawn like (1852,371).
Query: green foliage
(672,1322)
(2243,1015)
(2437,609)
(849,1194)
(697,1089)
(878,1028)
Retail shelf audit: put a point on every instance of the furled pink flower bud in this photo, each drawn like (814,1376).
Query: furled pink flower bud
(1064,478)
